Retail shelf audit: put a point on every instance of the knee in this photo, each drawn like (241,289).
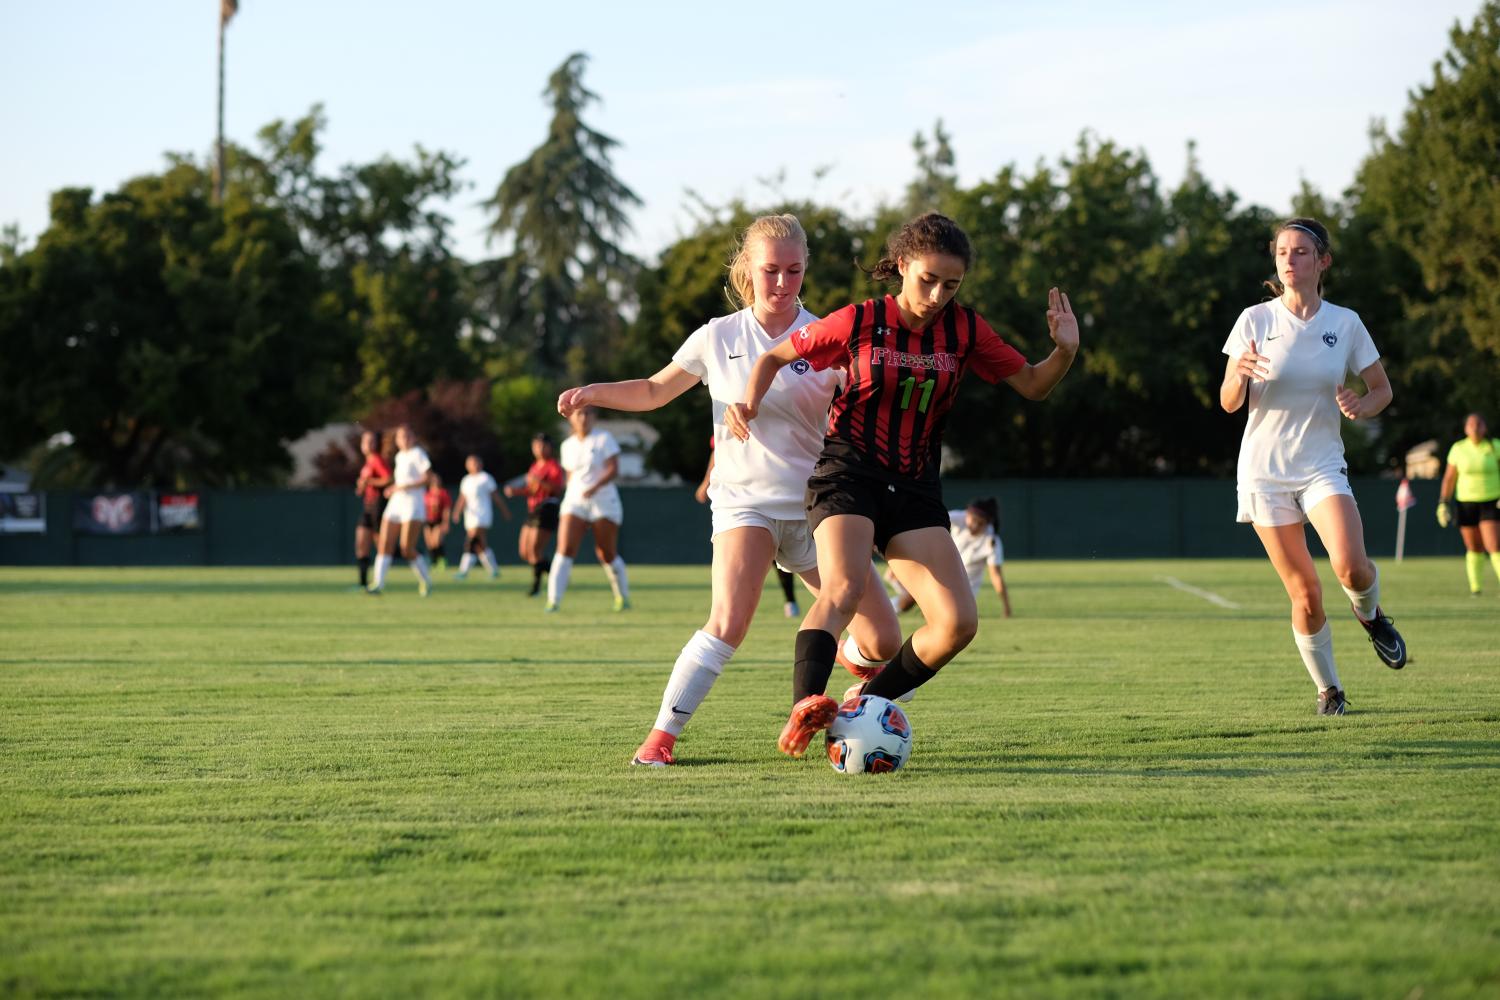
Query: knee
(1306,596)
(958,632)
(729,625)
(1354,576)
(843,595)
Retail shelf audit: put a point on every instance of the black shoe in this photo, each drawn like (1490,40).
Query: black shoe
(1389,645)
(1332,702)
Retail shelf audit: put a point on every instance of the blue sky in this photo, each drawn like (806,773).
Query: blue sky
(719,98)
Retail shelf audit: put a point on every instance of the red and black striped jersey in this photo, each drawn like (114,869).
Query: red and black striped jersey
(901,383)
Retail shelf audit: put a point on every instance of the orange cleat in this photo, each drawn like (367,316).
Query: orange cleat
(809,716)
(656,751)
(863,673)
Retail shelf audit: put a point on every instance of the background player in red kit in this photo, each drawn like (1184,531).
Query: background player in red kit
(438,503)
(374,477)
(542,487)
(876,481)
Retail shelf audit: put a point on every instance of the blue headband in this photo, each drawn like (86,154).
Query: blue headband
(1316,238)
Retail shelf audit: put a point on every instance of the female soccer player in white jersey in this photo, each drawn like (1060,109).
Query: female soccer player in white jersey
(405,512)
(478,499)
(974,531)
(758,486)
(1290,357)
(591,458)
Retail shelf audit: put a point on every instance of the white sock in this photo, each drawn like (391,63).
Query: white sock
(557,578)
(853,655)
(382,566)
(488,558)
(466,563)
(419,567)
(616,573)
(1317,655)
(1366,601)
(697,667)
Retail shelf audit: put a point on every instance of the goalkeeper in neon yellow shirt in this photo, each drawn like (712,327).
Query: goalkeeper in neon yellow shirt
(1473,478)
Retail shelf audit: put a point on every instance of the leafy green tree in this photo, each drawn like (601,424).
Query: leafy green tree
(937,177)
(173,341)
(1424,226)
(558,292)
(385,247)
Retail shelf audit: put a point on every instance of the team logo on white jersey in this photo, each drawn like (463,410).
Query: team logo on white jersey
(1330,339)
(800,366)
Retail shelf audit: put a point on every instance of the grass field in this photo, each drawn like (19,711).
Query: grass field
(254,782)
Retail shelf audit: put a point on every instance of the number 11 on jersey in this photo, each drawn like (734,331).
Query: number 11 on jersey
(908,384)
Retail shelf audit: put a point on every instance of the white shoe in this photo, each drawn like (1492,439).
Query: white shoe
(791,610)
(462,574)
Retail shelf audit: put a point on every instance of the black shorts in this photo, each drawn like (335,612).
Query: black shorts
(437,524)
(1471,512)
(370,517)
(544,517)
(894,508)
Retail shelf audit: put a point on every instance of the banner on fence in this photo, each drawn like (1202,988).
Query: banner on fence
(23,513)
(177,512)
(114,514)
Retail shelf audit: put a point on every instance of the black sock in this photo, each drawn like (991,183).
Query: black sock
(787,584)
(905,673)
(813,662)
(364,571)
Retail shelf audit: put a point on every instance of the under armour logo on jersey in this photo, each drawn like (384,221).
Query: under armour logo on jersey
(881,331)
(800,366)
(1330,339)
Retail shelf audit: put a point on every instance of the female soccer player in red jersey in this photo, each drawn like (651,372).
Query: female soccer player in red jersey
(437,503)
(374,477)
(876,481)
(542,486)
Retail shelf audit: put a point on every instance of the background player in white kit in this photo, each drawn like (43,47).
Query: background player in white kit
(591,458)
(758,487)
(405,512)
(1290,357)
(478,498)
(975,532)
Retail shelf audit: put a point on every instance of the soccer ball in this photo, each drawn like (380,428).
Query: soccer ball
(870,735)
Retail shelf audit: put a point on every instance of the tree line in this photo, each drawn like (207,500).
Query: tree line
(153,336)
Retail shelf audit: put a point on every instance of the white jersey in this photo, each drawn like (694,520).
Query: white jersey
(411,467)
(1292,435)
(478,490)
(977,551)
(769,472)
(584,459)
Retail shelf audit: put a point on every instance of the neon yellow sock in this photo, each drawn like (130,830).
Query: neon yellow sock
(1474,563)
(1495,562)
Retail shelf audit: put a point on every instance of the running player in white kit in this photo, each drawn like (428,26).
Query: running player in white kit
(478,498)
(1290,357)
(758,487)
(591,458)
(405,512)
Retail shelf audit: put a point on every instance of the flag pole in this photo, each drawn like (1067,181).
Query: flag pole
(227,9)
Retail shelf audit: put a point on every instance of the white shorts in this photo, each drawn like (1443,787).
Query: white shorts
(795,551)
(472,521)
(604,505)
(405,505)
(1270,510)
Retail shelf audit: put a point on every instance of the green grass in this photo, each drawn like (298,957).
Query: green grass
(254,782)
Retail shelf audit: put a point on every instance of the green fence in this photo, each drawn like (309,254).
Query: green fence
(1040,519)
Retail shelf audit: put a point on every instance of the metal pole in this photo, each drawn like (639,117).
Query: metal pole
(219,155)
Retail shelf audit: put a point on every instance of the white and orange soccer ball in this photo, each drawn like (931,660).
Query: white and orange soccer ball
(870,735)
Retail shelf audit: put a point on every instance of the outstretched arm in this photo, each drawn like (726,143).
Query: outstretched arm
(1037,381)
(738,416)
(634,395)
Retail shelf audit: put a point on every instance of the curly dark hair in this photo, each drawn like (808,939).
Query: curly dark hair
(927,233)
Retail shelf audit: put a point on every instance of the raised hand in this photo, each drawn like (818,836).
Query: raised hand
(571,400)
(1349,402)
(737,418)
(1253,364)
(1061,323)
